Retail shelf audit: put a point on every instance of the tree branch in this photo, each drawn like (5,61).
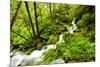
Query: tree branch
(13,19)
(19,35)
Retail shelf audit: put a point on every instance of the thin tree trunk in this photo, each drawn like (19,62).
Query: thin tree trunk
(53,8)
(50,9)
(13,19)
(27,8)
(41,14)
(28,29)
(38,35)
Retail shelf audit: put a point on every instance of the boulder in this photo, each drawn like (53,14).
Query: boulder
(58,61)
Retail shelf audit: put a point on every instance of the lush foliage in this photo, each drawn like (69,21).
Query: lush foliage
(55,19)
(77,48)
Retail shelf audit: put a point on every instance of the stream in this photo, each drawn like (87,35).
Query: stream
(20,59)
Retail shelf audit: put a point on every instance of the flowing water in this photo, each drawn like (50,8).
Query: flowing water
(21,59)
(37,55)
(73,27)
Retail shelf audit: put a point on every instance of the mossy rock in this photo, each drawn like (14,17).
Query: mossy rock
(39,45)
(29,51)
(52,39)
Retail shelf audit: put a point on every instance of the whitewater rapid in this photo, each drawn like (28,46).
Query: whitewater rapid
(20,59)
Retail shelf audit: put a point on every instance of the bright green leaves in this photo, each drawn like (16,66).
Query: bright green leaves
(78,49)
(49,56)
(75,49)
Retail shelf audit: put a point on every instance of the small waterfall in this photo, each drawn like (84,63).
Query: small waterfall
(21,59)
(46,48)
(73,27)
(17,59)
(60,39)
(37,55)
(33,57)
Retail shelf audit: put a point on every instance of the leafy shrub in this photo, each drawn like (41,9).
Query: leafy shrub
(75,48)
(78,49)
(49,56)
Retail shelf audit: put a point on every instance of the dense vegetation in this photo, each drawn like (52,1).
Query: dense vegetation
(47,22)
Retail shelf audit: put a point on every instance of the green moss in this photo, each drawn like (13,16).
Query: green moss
(28,51)
(52,39)
(49,56)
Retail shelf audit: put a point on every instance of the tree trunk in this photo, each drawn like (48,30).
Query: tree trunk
(50,9)
(38,35)
(26,4)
